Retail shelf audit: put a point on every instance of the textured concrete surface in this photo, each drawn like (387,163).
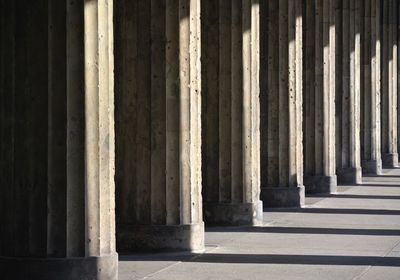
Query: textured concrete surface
(158,125)
(230,113)
(319,113)
(57,141)
(281,103)
(354,234)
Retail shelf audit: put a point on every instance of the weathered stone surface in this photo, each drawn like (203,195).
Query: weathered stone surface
(231,112)
(282,40)
(350,176)
(348,99)
(319,95)
(398,76)
(371,88)
(158,123)
(389,84)
(372,166)
(133,238)
(60,216)
(233,214)
(283,196)
(57,151)
(320,184)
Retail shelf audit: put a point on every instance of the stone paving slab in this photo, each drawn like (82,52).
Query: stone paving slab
(354,234)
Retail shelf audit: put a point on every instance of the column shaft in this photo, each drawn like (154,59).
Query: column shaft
(393,95)
(371,93)
(231,112)
(284,98)
(158,126)
(389,84)
(57,194)
(349,168)
(99,128)
(398,77)
(319,111)
(61,178)
(75,123)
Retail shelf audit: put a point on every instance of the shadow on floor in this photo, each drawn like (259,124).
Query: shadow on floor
(271,259)
(379,185)
(357,196)
(308,230)
(334,211)
(382,176)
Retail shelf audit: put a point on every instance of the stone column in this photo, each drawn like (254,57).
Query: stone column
(158,125)
(389,84)
(349,155)
(371,93)
(99,126)
(282,175)
(398,77)
(231,176)
(319,95)
(60,182)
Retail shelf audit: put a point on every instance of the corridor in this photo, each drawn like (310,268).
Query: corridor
(354,234)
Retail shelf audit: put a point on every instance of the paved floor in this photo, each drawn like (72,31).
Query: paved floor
(354,234)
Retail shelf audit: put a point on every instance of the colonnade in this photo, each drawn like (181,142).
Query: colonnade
(129,126)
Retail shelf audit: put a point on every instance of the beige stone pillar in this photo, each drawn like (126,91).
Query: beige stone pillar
(231,176)
(282,181)
(158,125)
(389,84)
(349,161)
(319,96)
(394,19)
(61,181)
(371,93)
(398,77)
(99,128)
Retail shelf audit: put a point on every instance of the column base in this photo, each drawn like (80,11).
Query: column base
(372,167)
(320,184)
(283,197)
(390,160)
(90,268)
(134,238)
(233,214)
(350,176)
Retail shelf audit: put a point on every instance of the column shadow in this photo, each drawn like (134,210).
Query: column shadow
(335,211)
(381,176)
(380,185)
(308,230)
(355,196)
(272,259)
